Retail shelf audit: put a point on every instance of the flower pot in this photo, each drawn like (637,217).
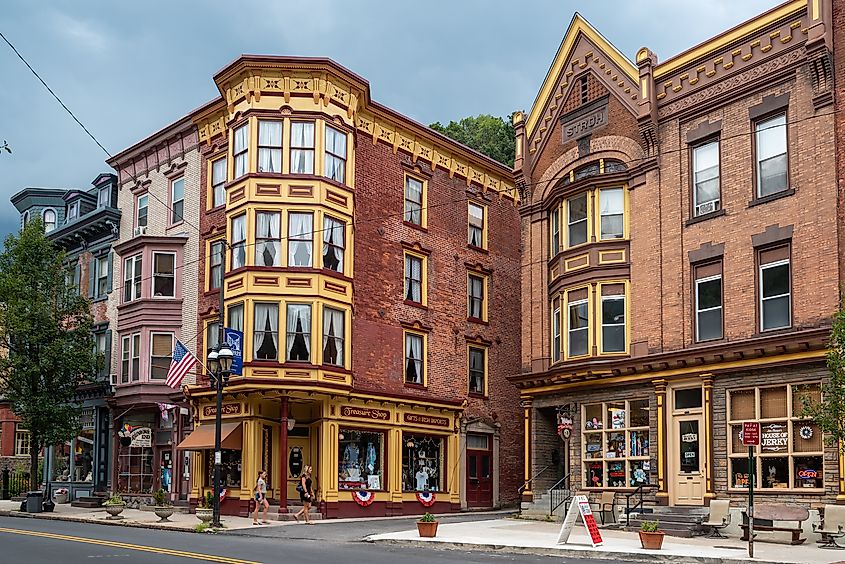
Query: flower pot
(652,541)
(163,512)
(115,510)
(427,529)
(205,514)
(61,498)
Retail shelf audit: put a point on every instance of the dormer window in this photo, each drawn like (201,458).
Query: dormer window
(72,211)
(104,197)
(49,220)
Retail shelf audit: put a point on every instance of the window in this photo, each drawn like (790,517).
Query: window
(775,298)
(772,158)
(477,370)
(236,317)
(265,344)
(555,229)
(414,359)
(102,275)
(231,467)
(791,451)
(705,172)
(25,218)
(143,208)
(333,336)
(125,352)
(556,330)
(268,243)
(238,241)
(241,150)
(302,147)
(269,146)
(475,296)
(72,276)
(413,200)
(216,265)
(177,200)
(72,211)
(333,243)
(102,348)
(161,354)
(616,444)
(22,441)
(136,357)
(212,335)
(613,335)
(299,333)
(335,154)
(300,239)
(218,182)
(576,220)
(708,301)
(584,87)
(422,463)
(360,460)
(578,340)
(612,209)
(475,235)
(104,197)
(132,278)
(164,275)
(49,220)
(413,278)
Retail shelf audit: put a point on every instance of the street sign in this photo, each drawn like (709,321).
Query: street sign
(750,433)
(580,506)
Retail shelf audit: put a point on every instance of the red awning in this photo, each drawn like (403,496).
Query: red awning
(202,438)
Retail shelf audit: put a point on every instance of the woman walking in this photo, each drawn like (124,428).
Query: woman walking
(306,495)
(261,498)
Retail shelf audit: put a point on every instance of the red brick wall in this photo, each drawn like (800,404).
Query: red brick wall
(839,107)
(7,426)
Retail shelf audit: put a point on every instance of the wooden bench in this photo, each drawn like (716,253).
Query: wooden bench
(767,515)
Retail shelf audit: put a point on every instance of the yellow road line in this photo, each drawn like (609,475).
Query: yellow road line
(138,547)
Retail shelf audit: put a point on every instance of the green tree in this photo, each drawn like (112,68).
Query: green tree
(829,411)
(45,326)
(490,135)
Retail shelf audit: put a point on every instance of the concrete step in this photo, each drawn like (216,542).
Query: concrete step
(88,501)
(290,517)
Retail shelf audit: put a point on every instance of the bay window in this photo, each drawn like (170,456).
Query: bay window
(335,154)
(333,243)
(161,354)
(132,278)
(265,341)
(238,259)
(302,147)
(613,334)
(240,150)
(578,324)
(268,244)
(612,211)
(576,221)
(333,336)
(300,239)
(269,146)
(298,333)
(164,275)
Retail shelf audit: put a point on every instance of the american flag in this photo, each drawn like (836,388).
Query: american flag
(182,361)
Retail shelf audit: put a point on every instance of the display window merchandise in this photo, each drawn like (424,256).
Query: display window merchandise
(230,467)
(616,444)
(422,463)
(361,460)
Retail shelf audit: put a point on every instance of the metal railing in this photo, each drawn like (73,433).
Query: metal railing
(637,492)
(13,484)
(559,494)
(527,483)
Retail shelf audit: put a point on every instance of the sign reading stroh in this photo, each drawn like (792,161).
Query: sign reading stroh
(426,420)
(228,409)
(750,433)
(584,124)
(580,506)
(365,413)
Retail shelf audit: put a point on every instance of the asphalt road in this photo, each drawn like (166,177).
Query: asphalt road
(37,541)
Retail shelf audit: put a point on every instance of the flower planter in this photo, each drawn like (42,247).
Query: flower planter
(427,529)
(114,511)
(61,498)
(651,541)
(205,514)
(163,512)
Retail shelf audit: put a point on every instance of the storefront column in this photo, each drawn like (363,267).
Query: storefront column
(328,461)
(394,469)
(250,457)
(707,384)
(527,493)
(662,461)
(283,457)
(840,497)
(456,486)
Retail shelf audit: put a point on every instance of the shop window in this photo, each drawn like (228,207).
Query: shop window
(269,146)
(132,278)
(164,275)
(335,154)
(333,243)
(578,324)
(361,456)
(616,444)
(218,182)
(708,301)
(772,156)
(83,456)
(475,231)
(161,354)
(240,150)
(177,200)
(238,241)
(422,463)
(477,370)
(333,336)
(265,344)
(775,288)
(414,358)
(791,451)
(414,201)
(612,211)
(302,147)
(298,333)
(230,468)
(300,239)
(268,244)
(576,220)
(613,333)
(706,192)
(475,297)
(215,258)
(556,330)
(135,470)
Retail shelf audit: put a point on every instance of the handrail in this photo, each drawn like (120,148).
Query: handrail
(556,501)
(524,486)
(628,508)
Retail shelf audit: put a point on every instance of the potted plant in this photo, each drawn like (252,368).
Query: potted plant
(205,508)
(163,508)
(427,526)
(61,495)
(114,506)
(650,537)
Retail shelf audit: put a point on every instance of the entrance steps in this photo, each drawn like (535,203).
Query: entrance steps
(538,510)
(276,513)
(674,521)
(90,501)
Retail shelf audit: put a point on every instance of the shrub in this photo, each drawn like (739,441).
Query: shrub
(649,526)
(427,518)
(115,499)
(161,498)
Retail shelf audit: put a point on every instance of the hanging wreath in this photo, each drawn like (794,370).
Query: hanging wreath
(363,498)
(426,498)
(806,432)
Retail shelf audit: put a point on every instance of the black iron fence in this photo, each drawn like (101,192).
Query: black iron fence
(13,483)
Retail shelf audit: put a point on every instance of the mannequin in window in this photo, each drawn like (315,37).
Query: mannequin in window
(371,458)
(350,453)
(421,478)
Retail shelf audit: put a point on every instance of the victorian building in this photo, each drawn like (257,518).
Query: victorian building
(682,263)
(370,265)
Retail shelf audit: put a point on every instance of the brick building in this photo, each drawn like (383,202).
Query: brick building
(371,265)
(682,262)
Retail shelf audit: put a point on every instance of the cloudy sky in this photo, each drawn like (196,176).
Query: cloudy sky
(129,68)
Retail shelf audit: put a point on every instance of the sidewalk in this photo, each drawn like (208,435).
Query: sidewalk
(511,535)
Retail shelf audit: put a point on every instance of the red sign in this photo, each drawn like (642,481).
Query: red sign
(750,433)
(590,522)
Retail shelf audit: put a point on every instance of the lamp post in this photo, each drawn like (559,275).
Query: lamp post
(220,365)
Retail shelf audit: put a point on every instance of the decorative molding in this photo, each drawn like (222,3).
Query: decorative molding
(772,235)
(707,251)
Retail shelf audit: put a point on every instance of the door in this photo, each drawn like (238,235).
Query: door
(298,456)
(689,464)
(479,471)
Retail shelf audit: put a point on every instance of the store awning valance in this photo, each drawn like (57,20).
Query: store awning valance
(202,438)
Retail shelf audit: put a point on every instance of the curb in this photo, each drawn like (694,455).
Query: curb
(113,523)
(571,553)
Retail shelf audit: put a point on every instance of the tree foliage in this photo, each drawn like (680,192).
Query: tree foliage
(829,411)
(490,135)
(45,326)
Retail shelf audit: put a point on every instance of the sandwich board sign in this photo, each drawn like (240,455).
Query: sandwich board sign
(580,506)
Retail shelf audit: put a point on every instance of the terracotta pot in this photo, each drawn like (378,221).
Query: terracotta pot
(205,514)
(115,510)
(163,512)
(427,529)
(652,541)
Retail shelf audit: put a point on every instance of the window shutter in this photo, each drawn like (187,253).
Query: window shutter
(107,355)
(77,277)
(108,282)
(92,277)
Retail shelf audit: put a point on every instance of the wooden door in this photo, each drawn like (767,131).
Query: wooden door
(298,456)
(479,483)
(688,461)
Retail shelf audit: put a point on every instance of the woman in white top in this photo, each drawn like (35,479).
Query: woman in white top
(261,498)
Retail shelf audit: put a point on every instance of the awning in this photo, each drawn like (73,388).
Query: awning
(202,438)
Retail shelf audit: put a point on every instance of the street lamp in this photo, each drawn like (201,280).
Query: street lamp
(219,366)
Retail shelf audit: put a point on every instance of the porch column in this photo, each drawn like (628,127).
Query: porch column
(662,461)
(707,384)
(840,497)
(527,493)
(283,455)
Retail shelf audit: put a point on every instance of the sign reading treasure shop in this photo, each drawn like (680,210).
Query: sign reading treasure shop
(584,124)
(426,420)
(228,409)
(365,413)
(774,437)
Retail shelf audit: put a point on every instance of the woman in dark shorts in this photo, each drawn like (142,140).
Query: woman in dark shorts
(306,495)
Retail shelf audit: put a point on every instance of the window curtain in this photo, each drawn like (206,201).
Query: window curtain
(476,225)
(335,154)
(333,337)
(413,267)
(268,246)
(218,181)
(240,148)
(270,143)
(299,332)
(300,233)
(413,201)
(333,244)
(265,334)
(413,355)
(302,147)
(238,238)
(476,294)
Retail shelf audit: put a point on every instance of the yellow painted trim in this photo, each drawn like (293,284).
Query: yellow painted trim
(720,41)
(484,289)
(661,453)
(567,262)
(559,299)
(565,302)
(424,354)
(209,188)
(424,200)
(565,219)
(599,317)
(423,274)
(484,349)
(483,221)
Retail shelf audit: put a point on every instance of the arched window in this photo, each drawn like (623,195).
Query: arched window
(25,217)
(49,220)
